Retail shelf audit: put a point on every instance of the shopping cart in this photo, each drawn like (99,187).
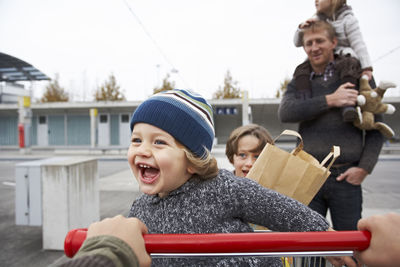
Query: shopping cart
(294,248)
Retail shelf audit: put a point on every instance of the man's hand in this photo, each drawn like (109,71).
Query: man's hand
(353,175)
(130,230)
(345,95)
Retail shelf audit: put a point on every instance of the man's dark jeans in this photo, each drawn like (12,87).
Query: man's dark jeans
(343,199)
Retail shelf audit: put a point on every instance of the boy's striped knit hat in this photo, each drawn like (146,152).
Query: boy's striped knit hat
(185,115)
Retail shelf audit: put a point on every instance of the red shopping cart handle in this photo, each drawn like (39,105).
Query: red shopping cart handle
(240,242)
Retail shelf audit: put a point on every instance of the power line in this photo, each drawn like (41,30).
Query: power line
(173,69)
(386,54)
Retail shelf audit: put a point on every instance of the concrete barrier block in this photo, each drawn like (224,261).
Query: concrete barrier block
(70,198)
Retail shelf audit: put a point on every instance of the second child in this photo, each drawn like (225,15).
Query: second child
(244,145)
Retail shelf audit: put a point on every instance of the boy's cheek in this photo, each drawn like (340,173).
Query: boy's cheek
(129,156)
(135,172)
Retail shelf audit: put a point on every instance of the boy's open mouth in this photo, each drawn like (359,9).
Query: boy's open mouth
(148,174)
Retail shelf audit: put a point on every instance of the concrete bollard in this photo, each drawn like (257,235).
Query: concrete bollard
(69,197)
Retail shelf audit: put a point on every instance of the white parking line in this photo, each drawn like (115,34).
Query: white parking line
(9,184)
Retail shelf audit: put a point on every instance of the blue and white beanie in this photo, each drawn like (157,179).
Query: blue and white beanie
(185,115)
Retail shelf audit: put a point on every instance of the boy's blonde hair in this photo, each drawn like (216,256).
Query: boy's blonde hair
(206,166)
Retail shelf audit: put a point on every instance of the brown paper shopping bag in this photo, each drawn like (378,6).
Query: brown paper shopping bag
(297,174)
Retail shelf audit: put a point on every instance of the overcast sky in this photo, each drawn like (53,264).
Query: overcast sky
(141,41)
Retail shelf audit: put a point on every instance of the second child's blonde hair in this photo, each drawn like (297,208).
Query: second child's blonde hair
(335,6)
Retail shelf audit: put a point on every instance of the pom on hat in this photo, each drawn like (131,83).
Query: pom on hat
(185,115)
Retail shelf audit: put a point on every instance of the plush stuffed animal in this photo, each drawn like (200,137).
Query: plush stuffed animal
(369,103)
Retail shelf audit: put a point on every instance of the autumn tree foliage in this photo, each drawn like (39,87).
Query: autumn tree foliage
(166,85)
(109,91)
(282,88)
(230,89)
(54,92)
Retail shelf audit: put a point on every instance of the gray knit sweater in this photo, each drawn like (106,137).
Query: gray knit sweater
(350,40)
(322,127)
(224,204)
